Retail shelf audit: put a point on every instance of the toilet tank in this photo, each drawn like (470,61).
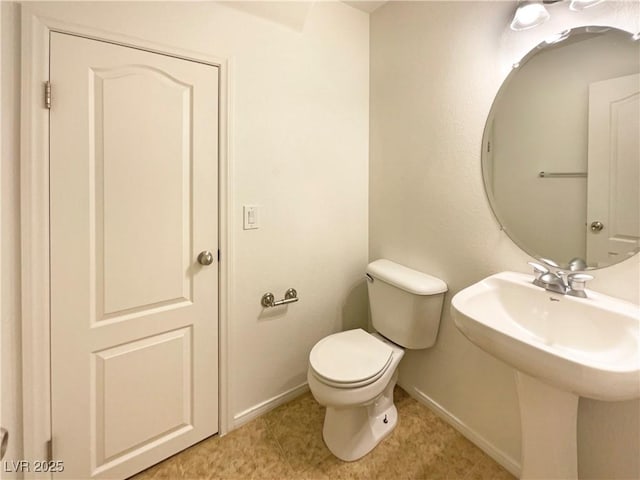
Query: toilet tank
(406,305)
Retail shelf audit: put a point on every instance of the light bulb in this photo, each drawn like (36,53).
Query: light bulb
(577,5)
(529,15)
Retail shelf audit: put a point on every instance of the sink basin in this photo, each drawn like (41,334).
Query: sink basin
(562,347)
(590,346)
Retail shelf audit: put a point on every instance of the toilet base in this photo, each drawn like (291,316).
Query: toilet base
(351,433)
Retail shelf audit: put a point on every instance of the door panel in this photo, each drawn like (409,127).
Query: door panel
(134,352)
(129,381)
(161,187)
(614,169)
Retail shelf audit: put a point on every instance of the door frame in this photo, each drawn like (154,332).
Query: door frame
(34,204)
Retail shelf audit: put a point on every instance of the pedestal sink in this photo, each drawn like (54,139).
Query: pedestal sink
(562,347)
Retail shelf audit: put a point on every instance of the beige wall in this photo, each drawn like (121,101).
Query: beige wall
(435,69)
(299,149)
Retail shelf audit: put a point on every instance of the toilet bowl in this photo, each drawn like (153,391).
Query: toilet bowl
(353,373)
(360,410)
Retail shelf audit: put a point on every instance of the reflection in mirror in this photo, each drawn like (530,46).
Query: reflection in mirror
(561,149)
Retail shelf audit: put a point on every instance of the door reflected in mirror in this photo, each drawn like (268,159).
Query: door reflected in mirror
(561,149)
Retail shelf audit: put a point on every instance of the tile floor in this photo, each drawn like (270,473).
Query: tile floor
(286,443)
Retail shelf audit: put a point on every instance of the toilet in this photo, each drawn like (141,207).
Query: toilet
(353,373)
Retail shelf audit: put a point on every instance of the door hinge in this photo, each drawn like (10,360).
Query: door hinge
(218,255)
(49,448)
(47,95)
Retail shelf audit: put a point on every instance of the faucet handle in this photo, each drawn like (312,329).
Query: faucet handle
(538,270)
(577,283)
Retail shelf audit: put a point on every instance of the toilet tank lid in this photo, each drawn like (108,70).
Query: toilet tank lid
(406,278)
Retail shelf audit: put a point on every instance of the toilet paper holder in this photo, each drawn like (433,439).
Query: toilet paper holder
(268,300)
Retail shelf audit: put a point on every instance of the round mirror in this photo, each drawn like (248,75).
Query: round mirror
(561,149)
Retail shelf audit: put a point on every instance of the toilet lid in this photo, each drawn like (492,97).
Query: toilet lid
(350,357)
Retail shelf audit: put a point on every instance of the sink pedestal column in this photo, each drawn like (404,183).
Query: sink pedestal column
(548,420)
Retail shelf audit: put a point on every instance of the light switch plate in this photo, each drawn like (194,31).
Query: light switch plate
(251,214)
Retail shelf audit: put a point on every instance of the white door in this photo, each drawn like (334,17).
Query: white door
(613,197)
(134,315)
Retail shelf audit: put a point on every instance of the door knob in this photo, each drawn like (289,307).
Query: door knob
(596,226)
(205,258)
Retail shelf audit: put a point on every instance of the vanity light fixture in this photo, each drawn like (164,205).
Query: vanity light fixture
(577,5)
(529,14)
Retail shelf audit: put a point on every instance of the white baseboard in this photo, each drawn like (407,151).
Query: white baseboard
(268,405)
(473,436)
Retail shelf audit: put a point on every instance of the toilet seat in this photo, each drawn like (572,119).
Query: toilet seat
(350,359)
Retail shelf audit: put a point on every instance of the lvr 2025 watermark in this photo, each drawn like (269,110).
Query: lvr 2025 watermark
(37,466)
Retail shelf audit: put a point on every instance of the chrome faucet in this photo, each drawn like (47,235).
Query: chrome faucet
(560,282)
